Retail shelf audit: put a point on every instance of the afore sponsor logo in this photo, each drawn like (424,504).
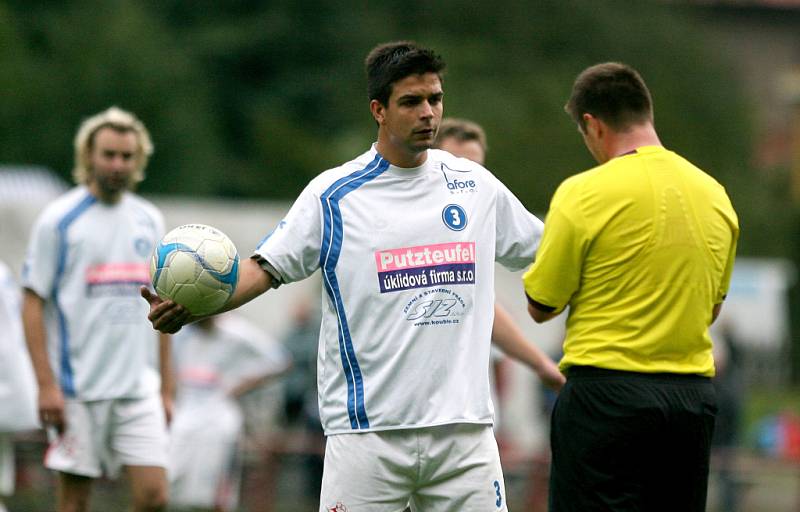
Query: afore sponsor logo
(459,186)
(425,265)
(456,184)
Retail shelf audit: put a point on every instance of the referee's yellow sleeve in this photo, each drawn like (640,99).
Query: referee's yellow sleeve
(726,274)
(555,275)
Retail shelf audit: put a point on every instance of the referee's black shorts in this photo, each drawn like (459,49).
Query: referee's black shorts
(632,442)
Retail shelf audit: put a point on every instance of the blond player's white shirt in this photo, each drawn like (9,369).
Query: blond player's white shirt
(407,257)
(87,260)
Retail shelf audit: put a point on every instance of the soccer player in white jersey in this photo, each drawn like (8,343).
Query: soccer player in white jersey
(406,238)
(90,348)
(217,361)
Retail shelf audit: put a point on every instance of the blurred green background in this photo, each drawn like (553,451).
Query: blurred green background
(253,98)
(250,99)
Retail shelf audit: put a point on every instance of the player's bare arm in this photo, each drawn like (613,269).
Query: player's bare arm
(51,399)
(247,385)
(168,316)
(510,339)
(167,376)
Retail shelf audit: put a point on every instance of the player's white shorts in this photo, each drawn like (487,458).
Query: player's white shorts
(449,468)
(205,461)
(108,434)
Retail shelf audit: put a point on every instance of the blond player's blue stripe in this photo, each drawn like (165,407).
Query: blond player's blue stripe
(66,376)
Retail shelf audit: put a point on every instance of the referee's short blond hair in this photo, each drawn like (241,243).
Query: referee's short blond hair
(121,121)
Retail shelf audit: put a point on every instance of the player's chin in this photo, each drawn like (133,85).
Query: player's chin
(114,188)
(423,145)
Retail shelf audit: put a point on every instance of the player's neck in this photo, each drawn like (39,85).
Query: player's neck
(622,143)
(104,196)
(400,157)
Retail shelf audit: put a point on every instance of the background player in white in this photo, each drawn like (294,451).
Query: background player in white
(466,139)
(217,361)
(91,351)
(17,383)
(406,238)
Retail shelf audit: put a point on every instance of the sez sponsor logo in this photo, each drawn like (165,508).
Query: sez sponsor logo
(437,306)
(423,266)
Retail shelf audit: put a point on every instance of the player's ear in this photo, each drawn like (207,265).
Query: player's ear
(593,125)
(378,111)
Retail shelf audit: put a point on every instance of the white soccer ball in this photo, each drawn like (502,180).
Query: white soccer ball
(197,266)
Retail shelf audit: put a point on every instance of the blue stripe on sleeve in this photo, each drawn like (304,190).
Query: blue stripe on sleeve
(332,237)
(66,374)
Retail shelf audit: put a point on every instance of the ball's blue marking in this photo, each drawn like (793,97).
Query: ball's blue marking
(164,250)
(230,277)
(454,217)
(162,253)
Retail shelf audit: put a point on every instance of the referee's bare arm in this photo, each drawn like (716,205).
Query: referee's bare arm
(541,312)
(715,311)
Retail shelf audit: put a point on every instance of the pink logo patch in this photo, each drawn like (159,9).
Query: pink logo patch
(118,273)
(425,256)
(116,279)
(425,265)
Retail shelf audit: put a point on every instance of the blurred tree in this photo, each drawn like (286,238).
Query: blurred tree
(65,61)
(253,98)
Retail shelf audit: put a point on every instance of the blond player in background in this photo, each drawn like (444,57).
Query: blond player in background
(89,344)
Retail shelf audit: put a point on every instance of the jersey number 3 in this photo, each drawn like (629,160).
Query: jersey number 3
(454,217)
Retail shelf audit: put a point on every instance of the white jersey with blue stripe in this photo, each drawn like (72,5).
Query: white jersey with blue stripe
(87,260)
(407,259)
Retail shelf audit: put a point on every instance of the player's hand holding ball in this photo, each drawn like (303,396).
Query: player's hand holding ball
(194,270)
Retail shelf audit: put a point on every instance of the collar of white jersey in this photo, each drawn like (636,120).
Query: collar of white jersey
(406,172)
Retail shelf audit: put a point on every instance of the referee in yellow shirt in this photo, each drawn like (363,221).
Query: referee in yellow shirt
(641,249)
